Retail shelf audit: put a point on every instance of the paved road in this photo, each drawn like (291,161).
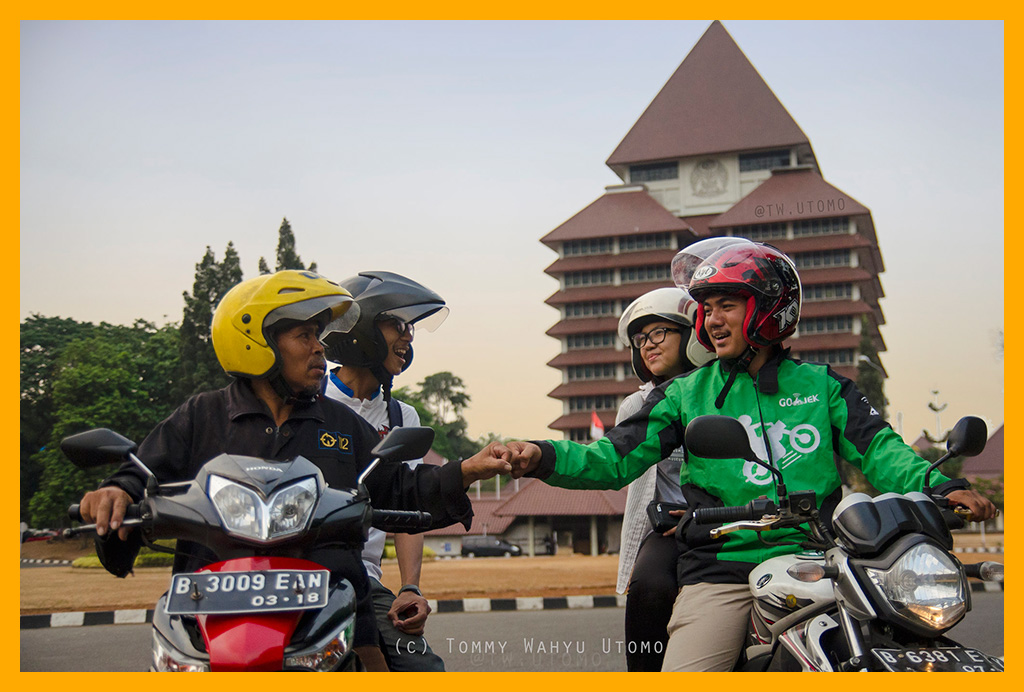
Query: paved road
(550,640)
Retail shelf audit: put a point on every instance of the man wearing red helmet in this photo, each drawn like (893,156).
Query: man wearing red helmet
(796,415)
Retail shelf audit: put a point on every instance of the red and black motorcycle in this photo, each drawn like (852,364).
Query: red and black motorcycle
(261,606)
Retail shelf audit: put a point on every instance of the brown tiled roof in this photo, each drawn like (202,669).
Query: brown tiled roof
(989,463)
(701,224)
(831,308)
(594,387)
(714,102)
(834,275)
(589,357)
(625,259)
(921,444)
(628,291)
(796,194)
(539,499)
(582,420)
(617,213)
(484,519)
(584,325)
(818,342)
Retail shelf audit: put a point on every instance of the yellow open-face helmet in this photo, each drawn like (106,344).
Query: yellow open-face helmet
(249,315)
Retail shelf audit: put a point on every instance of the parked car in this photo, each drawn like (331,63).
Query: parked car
(30,535)
(488,546)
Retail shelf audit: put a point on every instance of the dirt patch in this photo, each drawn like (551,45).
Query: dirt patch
(59,589)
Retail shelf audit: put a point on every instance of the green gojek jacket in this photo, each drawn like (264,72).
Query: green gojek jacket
(808,411)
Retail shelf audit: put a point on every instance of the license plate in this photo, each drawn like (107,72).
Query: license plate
(952,660)
(210,593)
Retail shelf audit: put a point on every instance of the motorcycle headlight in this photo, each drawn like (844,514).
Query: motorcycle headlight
(243,512)
(326,655)
(925,586)
(167,659)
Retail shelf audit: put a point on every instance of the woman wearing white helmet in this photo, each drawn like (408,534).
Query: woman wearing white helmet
(658,329)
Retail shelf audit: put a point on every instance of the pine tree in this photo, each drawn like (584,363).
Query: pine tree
(263,268)
(287,258)
(200,370)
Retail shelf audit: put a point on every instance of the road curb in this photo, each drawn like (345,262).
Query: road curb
(45,562)
(460,605)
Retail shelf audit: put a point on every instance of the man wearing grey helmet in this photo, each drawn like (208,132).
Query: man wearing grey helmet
(371,354)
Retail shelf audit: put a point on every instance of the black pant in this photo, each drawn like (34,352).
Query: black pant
(652,592)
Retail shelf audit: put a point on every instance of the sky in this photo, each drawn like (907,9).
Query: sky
(445,150)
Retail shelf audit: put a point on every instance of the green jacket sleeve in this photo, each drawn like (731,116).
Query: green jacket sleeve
(870,444)
(626,451)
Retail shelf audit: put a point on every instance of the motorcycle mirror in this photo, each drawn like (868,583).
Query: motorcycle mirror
(401,444)
(968,437)
(97,447)
(404,443)
(718,437)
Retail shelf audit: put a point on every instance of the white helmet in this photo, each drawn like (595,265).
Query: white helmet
(672,305)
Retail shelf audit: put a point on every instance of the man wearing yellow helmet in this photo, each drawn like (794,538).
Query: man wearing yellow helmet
(266,334)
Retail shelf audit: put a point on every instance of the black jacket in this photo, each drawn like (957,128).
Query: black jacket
(234,420)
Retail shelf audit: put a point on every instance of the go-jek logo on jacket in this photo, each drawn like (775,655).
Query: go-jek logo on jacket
(802,439)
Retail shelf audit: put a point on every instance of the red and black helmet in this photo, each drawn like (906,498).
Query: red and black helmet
(762,273)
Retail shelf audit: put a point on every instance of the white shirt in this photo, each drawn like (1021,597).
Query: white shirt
(375,412)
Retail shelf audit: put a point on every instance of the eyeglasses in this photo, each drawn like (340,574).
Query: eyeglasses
(655,336)
(400,325)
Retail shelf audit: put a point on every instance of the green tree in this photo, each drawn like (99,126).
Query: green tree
(287,256)
(445,396)
(992,488)
(200,370)
(42,341)
(440,402)
(120,378)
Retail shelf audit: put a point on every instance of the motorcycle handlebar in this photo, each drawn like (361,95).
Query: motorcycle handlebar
(755,509)
(401,521)
(132,512)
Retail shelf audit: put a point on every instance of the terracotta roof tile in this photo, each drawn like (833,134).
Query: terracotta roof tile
(540,499)
(714,102)
(795,194)
(628,212)
(990,462)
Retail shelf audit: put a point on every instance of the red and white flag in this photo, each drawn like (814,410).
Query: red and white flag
(596,426)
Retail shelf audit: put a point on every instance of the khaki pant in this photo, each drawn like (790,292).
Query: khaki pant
(708,624)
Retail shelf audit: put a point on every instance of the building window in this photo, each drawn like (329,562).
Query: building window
(839,356)
(580,435)
(591,246)
(833,226)
(828,292)
(764,160)
(654,272)
(597,277)
(821,258)
(761,231)
(647,172)
(645,241)
(826,325)
(600,371)
(592,340)
(594,308)
(601,402)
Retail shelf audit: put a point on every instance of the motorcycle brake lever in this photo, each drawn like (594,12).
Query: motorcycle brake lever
(91,528)
(764,524)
